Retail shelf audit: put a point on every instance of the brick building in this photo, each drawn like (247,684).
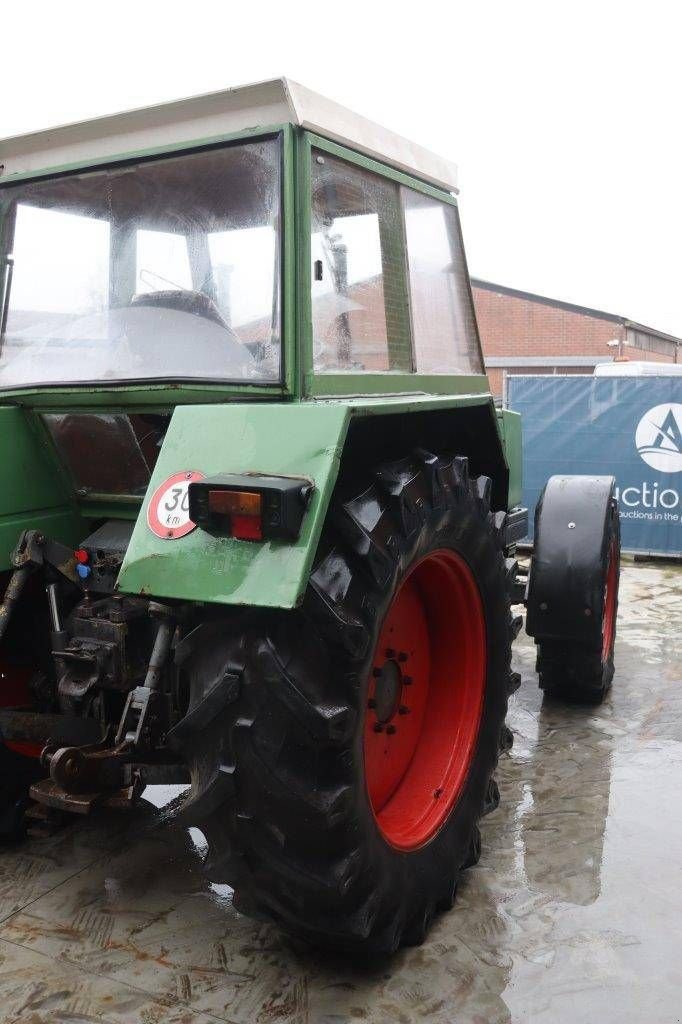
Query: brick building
(526,333)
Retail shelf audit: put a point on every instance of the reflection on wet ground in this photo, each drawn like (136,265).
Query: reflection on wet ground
(573,913)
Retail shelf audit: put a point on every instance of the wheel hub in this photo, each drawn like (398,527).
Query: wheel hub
(388,691)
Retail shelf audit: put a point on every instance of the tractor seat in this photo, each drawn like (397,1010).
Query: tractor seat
(185,300)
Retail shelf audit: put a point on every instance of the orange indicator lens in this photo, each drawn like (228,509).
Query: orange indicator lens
(235,503)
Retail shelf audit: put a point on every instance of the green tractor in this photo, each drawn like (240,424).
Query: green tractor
(258,509)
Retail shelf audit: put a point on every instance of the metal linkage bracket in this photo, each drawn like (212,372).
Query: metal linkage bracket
(136,720)
(35,550)
(145,709)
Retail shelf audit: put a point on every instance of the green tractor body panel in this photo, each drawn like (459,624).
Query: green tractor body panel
(33,492)
(284,440)
(305,440)
(510,430)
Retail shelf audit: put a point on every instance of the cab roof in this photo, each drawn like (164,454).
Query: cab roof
(198,118)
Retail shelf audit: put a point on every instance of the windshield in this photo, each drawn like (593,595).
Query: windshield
(165,269)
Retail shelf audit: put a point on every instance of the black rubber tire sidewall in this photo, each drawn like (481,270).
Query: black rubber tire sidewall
(578,672)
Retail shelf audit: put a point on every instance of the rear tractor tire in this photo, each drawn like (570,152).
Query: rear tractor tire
(342,754)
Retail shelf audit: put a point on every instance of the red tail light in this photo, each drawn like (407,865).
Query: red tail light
(241,508)
(247,527)
(250,507)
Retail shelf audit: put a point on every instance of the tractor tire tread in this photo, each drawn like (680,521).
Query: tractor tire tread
(274,789)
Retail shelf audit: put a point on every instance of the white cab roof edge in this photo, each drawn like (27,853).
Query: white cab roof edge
(261,104)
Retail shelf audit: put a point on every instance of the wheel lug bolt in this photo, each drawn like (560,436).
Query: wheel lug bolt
(390,653)
(371,703)
(402,656)
(391,729)
(407,680)
(378,727)
(403,709)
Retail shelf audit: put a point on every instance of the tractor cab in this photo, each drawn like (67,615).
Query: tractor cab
(181,244)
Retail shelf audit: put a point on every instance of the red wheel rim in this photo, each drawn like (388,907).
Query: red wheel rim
(425,699)
(610,595)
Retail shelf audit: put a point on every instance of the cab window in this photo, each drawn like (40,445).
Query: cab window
(167,269)
(360,309)
(443,321)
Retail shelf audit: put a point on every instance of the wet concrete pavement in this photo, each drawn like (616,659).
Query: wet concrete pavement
(574,913)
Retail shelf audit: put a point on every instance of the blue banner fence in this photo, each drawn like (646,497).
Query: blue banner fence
(630,427)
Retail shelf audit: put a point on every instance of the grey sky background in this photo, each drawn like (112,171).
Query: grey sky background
(564,118)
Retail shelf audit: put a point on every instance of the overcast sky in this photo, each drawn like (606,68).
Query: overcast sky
(564,117)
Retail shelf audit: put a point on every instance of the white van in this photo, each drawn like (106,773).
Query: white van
(638,369)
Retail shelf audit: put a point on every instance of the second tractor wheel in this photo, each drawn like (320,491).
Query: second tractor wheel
(342,754)
(580,669)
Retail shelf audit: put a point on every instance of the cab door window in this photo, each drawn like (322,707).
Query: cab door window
(443,320)
(360,309)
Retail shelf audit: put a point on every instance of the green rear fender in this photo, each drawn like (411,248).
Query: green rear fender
(303,439)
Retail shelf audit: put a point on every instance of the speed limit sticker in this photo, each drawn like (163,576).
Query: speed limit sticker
(168,510)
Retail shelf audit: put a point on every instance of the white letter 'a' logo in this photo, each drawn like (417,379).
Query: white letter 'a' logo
(659,437)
